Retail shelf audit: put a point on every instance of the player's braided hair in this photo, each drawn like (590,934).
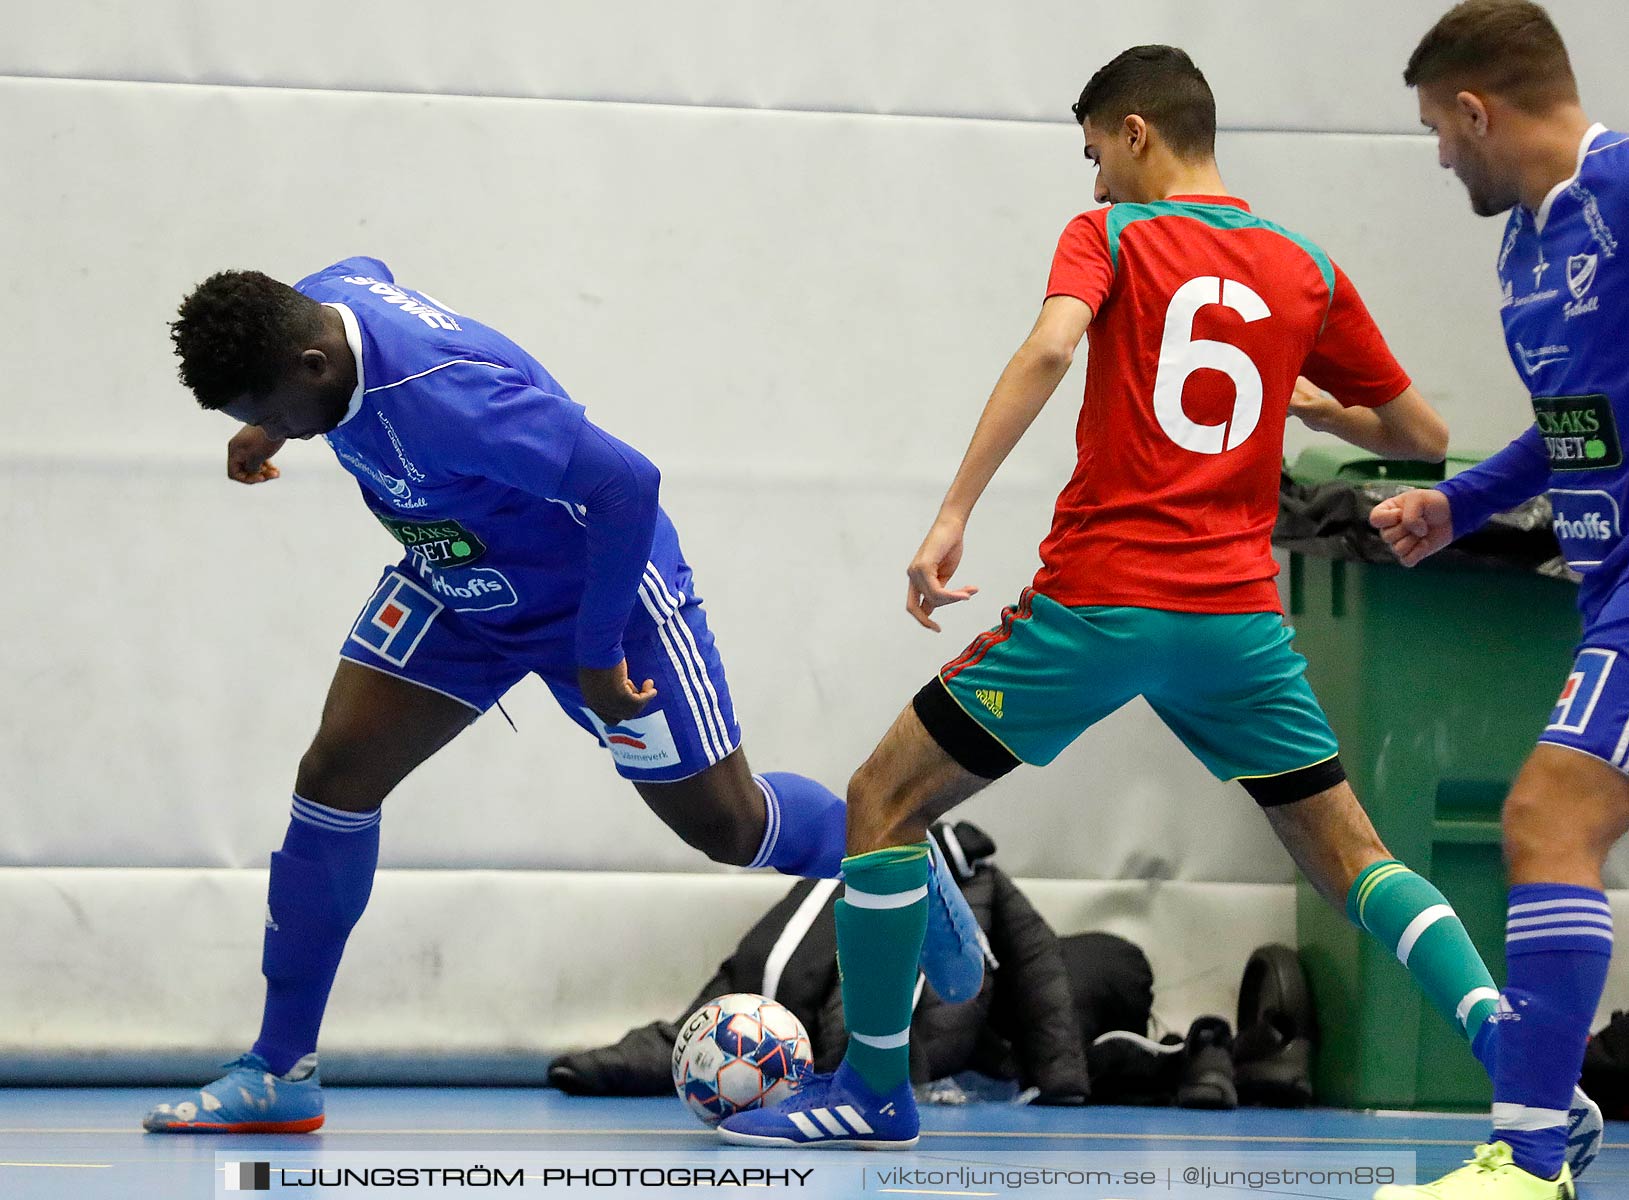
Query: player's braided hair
(238,332)
(1161,85)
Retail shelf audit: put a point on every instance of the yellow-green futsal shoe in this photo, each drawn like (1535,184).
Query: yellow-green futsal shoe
(1489,1175)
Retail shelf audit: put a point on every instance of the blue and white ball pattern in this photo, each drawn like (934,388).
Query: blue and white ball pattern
(739,1052)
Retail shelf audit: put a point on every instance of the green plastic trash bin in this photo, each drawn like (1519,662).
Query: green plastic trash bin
(1437,681)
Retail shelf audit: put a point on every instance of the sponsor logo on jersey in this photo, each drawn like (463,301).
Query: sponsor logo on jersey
(992,700)
(441,544)
(1511,235)
(1533,360)
(1587,522)
(1579,432)
(1538,270)
(476,589)
(400,494)
(1536,298)
(1581,271)
(411,471)
(1588,527)
(645,743)
(393,295)
(1583,688)
(396,619)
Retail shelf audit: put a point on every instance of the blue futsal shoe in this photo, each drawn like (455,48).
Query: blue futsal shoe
(247,1099)
(955,949)
(831,1110)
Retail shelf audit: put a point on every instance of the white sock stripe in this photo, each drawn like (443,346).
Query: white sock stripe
(335,814)
(1560,918)
(679,674)
(1543,905)
(772,823)
(333,820)
(832,1124)
(891,1041)
(855,1121)
(877,900)
(805,1126)
(1472,998)
(697,665)
(1563,932)
(1417,927)
(1518,1117)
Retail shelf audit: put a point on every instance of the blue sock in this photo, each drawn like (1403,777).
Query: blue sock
(320,883)
(1558,943)
(806,830)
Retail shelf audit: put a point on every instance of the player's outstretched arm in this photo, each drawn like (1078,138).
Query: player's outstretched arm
(1407,427)
(248,456)
(1027,383)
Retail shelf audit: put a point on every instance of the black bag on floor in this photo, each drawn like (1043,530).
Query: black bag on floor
(1606,1068)
(1020,1026)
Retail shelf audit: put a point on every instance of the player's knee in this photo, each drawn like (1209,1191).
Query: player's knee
(1551,823)
(334,772)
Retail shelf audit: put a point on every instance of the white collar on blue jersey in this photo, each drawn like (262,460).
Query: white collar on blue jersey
(353,338)
(1543,214)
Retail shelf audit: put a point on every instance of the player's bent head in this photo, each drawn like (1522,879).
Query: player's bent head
(254,348)
(1146,101)
(1485,72)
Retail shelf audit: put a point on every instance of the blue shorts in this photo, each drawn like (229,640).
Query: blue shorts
(406,631)
(1592,714)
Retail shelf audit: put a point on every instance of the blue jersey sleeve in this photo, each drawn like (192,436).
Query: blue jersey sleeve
(1513,476)
(615,488)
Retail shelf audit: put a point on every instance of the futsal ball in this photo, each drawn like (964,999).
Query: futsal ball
(739,1052)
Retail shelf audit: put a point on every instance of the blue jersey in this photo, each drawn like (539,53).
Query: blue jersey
(1564,275)
(460,442)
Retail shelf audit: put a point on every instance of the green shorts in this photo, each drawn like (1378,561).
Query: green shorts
(1227,684)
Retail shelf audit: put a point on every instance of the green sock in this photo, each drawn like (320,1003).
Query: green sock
(881,920)
(1413,920)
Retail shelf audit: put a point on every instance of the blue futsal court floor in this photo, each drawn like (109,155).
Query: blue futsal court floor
(86,1144)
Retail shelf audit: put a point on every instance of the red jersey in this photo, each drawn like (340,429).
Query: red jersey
(1203,314)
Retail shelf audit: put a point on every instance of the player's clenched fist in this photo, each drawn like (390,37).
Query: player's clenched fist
(1414,524)
(611,694)
(248,455)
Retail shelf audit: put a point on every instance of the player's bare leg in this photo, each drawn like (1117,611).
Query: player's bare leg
(1564,814)
(1330,838)
(907,784)
(375,729)
(720,812)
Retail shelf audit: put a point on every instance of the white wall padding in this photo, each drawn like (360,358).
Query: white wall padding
(149,974)
(1274,64)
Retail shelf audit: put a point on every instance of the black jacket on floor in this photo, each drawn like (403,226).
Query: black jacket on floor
(1022,1025)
